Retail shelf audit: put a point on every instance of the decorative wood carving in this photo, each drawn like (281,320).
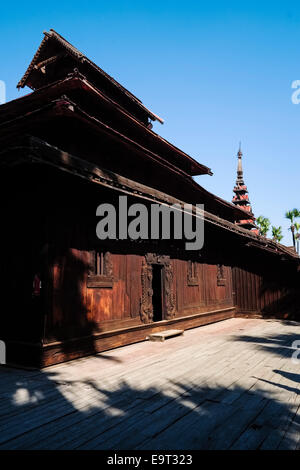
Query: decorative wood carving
(146,306)
(152,258)
(108,266)
(192,276)
(146,310)
(169,291)
(220,275)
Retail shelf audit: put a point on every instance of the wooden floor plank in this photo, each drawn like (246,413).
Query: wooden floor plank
(226,385)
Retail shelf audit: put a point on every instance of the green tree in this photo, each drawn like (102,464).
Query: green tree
(292,215)
(277,234)
(263,224)
(297,235)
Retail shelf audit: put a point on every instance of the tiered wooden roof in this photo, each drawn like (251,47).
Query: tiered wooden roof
(80,120)
(55,57)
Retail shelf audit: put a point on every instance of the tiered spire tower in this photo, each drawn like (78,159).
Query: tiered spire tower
(241,198)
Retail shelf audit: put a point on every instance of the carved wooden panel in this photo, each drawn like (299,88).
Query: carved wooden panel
(169,291)
(221,280)
(146,310)
(146,307)
(192,275)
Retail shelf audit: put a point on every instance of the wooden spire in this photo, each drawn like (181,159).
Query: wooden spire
(241,197)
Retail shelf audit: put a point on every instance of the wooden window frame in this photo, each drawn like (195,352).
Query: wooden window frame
(101,272)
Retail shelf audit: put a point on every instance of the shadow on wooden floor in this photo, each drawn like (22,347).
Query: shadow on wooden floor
(279,344)
(39,411)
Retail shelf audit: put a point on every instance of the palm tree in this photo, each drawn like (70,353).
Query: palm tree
(264,225)
(297,235)
(291,215)
(277,233)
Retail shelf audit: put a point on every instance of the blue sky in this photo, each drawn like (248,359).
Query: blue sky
(217,72)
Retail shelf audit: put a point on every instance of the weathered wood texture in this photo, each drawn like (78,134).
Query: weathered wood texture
(71,310)
(52,353)
(109,307)
(270,288)
(71,319)
(239,391)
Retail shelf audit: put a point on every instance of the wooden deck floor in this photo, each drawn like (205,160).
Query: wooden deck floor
(230,385)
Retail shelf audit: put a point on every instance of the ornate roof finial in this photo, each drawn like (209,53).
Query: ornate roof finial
(239,179)
(241,198)
(240,150)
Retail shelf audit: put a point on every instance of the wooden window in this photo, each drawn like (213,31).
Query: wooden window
(100,272)
(98,261)
(192,278)
(221,280)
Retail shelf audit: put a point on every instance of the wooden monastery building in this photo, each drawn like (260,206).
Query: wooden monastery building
(80,139)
